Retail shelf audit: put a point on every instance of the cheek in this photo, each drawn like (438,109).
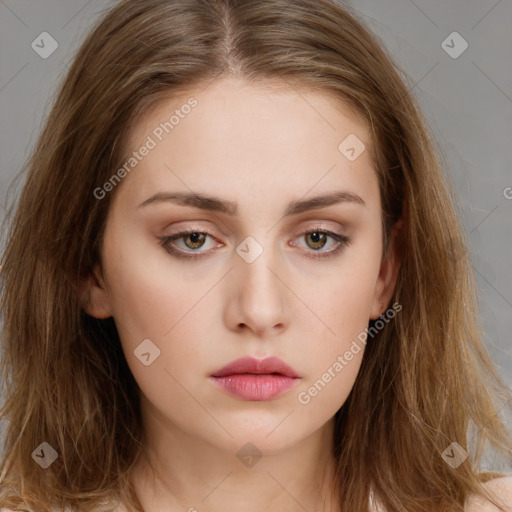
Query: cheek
(342,300)
(151,300)
(343,304)
(327,391)
(334,358)
(147,291)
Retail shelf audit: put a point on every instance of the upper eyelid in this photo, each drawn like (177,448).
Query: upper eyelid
(187,231)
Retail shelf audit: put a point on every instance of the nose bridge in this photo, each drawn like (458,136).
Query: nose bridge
(258,266)
(260,294)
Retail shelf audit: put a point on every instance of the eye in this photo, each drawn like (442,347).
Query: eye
(317,239)
(193,240)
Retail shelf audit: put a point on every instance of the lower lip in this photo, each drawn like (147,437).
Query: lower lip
(255,387)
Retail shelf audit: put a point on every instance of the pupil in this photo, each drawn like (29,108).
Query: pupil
(195,240)
(317,237)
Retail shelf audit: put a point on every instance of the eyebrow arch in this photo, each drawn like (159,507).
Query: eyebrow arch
(205,202)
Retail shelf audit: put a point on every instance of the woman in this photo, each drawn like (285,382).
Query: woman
(235,279)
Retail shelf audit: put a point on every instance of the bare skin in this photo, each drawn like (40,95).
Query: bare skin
(263,150)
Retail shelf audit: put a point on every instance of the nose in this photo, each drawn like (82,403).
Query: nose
(257,297)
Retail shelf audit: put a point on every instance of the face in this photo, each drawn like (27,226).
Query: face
(263,272)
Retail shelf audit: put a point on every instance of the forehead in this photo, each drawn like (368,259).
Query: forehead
(237,98)
(246,136)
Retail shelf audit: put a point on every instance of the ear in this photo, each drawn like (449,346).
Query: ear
(388,274)
(94,295)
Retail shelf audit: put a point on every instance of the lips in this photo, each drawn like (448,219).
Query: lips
(250,365)
(255,379)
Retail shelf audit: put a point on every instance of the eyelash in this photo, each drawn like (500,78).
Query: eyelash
(342,241)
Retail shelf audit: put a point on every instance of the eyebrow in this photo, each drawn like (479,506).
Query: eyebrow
(214,204)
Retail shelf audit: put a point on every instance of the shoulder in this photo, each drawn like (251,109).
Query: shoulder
(501,488)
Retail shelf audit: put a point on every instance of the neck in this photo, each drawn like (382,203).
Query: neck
(183,472)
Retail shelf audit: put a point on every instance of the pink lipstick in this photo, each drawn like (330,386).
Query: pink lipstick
(256,379)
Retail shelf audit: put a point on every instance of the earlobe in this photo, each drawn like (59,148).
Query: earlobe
(94,298)
(388,273)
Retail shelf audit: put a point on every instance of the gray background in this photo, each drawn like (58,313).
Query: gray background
(467,101)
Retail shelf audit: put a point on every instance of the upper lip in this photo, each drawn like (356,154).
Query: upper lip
(265,366)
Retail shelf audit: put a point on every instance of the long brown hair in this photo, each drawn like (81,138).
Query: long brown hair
(425,381)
